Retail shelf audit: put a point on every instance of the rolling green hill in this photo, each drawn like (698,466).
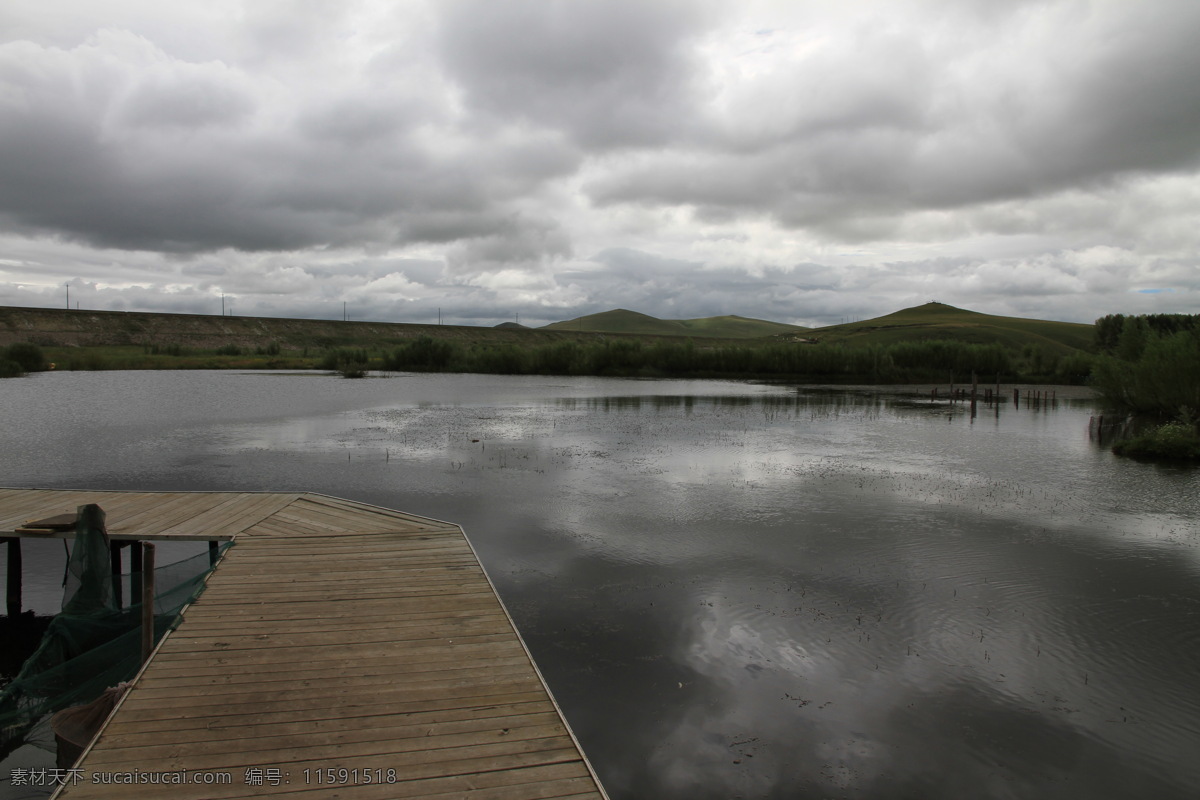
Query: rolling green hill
(620,320)
(941,321)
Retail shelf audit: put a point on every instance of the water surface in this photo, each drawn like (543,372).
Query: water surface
(736,590)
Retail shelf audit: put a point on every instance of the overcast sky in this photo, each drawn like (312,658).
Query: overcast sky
(804,162)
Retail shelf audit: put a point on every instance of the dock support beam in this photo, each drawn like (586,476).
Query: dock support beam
(114,557)
(13,586)
(135,571)
(213,550)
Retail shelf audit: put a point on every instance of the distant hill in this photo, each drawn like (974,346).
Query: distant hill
(621,320)
(941,321)
(75,328)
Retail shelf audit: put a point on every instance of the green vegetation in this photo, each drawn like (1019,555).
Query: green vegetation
(1150,368)
(631,357)
(351,362)
(1151,374)
(1174,440)
(1110,330)
(20,358)
(932,342)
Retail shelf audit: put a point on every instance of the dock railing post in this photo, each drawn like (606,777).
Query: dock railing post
(147,600)
(13,587)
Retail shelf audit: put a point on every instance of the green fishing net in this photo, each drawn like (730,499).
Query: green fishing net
(92,644)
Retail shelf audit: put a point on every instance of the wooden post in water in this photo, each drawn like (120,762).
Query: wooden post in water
(147,601)
(1016,398)
(13,590)
(974,392)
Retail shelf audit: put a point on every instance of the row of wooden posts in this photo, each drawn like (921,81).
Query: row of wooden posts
(962,394)
(991,397)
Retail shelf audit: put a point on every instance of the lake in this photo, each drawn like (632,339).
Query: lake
(734,589)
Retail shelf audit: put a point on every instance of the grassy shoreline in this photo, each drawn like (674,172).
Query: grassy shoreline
(930,343)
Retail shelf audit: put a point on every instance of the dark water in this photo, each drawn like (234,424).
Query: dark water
(736,590)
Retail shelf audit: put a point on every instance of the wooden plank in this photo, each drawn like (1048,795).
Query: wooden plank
(286,617)
(466,753)
(471,768)
(176,671)
(406,630)
(162,514)
(153,728)
(325,682)
(391,730)
(212,625)
(558,781)
(482,698)
(338,517)
(234,515)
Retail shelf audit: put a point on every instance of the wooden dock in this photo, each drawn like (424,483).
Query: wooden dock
(339,650)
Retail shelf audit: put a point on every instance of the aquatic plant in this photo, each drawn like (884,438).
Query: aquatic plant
(423,353)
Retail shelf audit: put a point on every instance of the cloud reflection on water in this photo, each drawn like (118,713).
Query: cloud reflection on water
(744,590)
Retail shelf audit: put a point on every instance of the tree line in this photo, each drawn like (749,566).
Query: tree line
(1150,365)
(935,360)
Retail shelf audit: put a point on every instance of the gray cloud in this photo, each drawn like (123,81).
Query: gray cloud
(609,74)
(800,162)
(842,143)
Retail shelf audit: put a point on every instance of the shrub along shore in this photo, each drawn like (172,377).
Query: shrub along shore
(902,362)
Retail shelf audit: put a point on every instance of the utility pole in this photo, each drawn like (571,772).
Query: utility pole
(439,315)
(222,304)
(344,311)
(68,285)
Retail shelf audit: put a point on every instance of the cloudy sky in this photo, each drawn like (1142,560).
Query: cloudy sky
(805,162)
